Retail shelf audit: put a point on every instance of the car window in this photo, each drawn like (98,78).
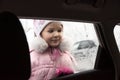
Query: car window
(117,36)
(85,41)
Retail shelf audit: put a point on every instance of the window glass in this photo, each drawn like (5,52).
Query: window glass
(85,42)
(117,36)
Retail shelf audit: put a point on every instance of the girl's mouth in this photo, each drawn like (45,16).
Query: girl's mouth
(54,40)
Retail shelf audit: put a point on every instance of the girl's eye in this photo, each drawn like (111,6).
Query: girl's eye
(50,31)
(59,30)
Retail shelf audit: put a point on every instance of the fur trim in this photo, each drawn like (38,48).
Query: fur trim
(40,45)
(66,44)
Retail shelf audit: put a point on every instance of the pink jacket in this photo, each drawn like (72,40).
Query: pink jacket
(48,63)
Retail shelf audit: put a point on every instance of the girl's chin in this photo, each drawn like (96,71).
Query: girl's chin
(54,45)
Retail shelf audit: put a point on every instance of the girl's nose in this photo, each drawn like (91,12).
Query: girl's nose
(56,34)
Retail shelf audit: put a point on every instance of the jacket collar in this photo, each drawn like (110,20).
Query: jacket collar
(39,44)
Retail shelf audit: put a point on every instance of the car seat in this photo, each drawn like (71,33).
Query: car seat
(14,55)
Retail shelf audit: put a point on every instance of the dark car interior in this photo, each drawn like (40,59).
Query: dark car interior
(15,59)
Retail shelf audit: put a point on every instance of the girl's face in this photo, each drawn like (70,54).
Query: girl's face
(52,34)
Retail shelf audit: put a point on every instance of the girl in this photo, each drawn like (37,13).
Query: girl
(50,55)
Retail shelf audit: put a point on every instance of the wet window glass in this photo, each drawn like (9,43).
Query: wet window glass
(85,41)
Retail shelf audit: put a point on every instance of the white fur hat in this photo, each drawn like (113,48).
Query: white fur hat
(39,25)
